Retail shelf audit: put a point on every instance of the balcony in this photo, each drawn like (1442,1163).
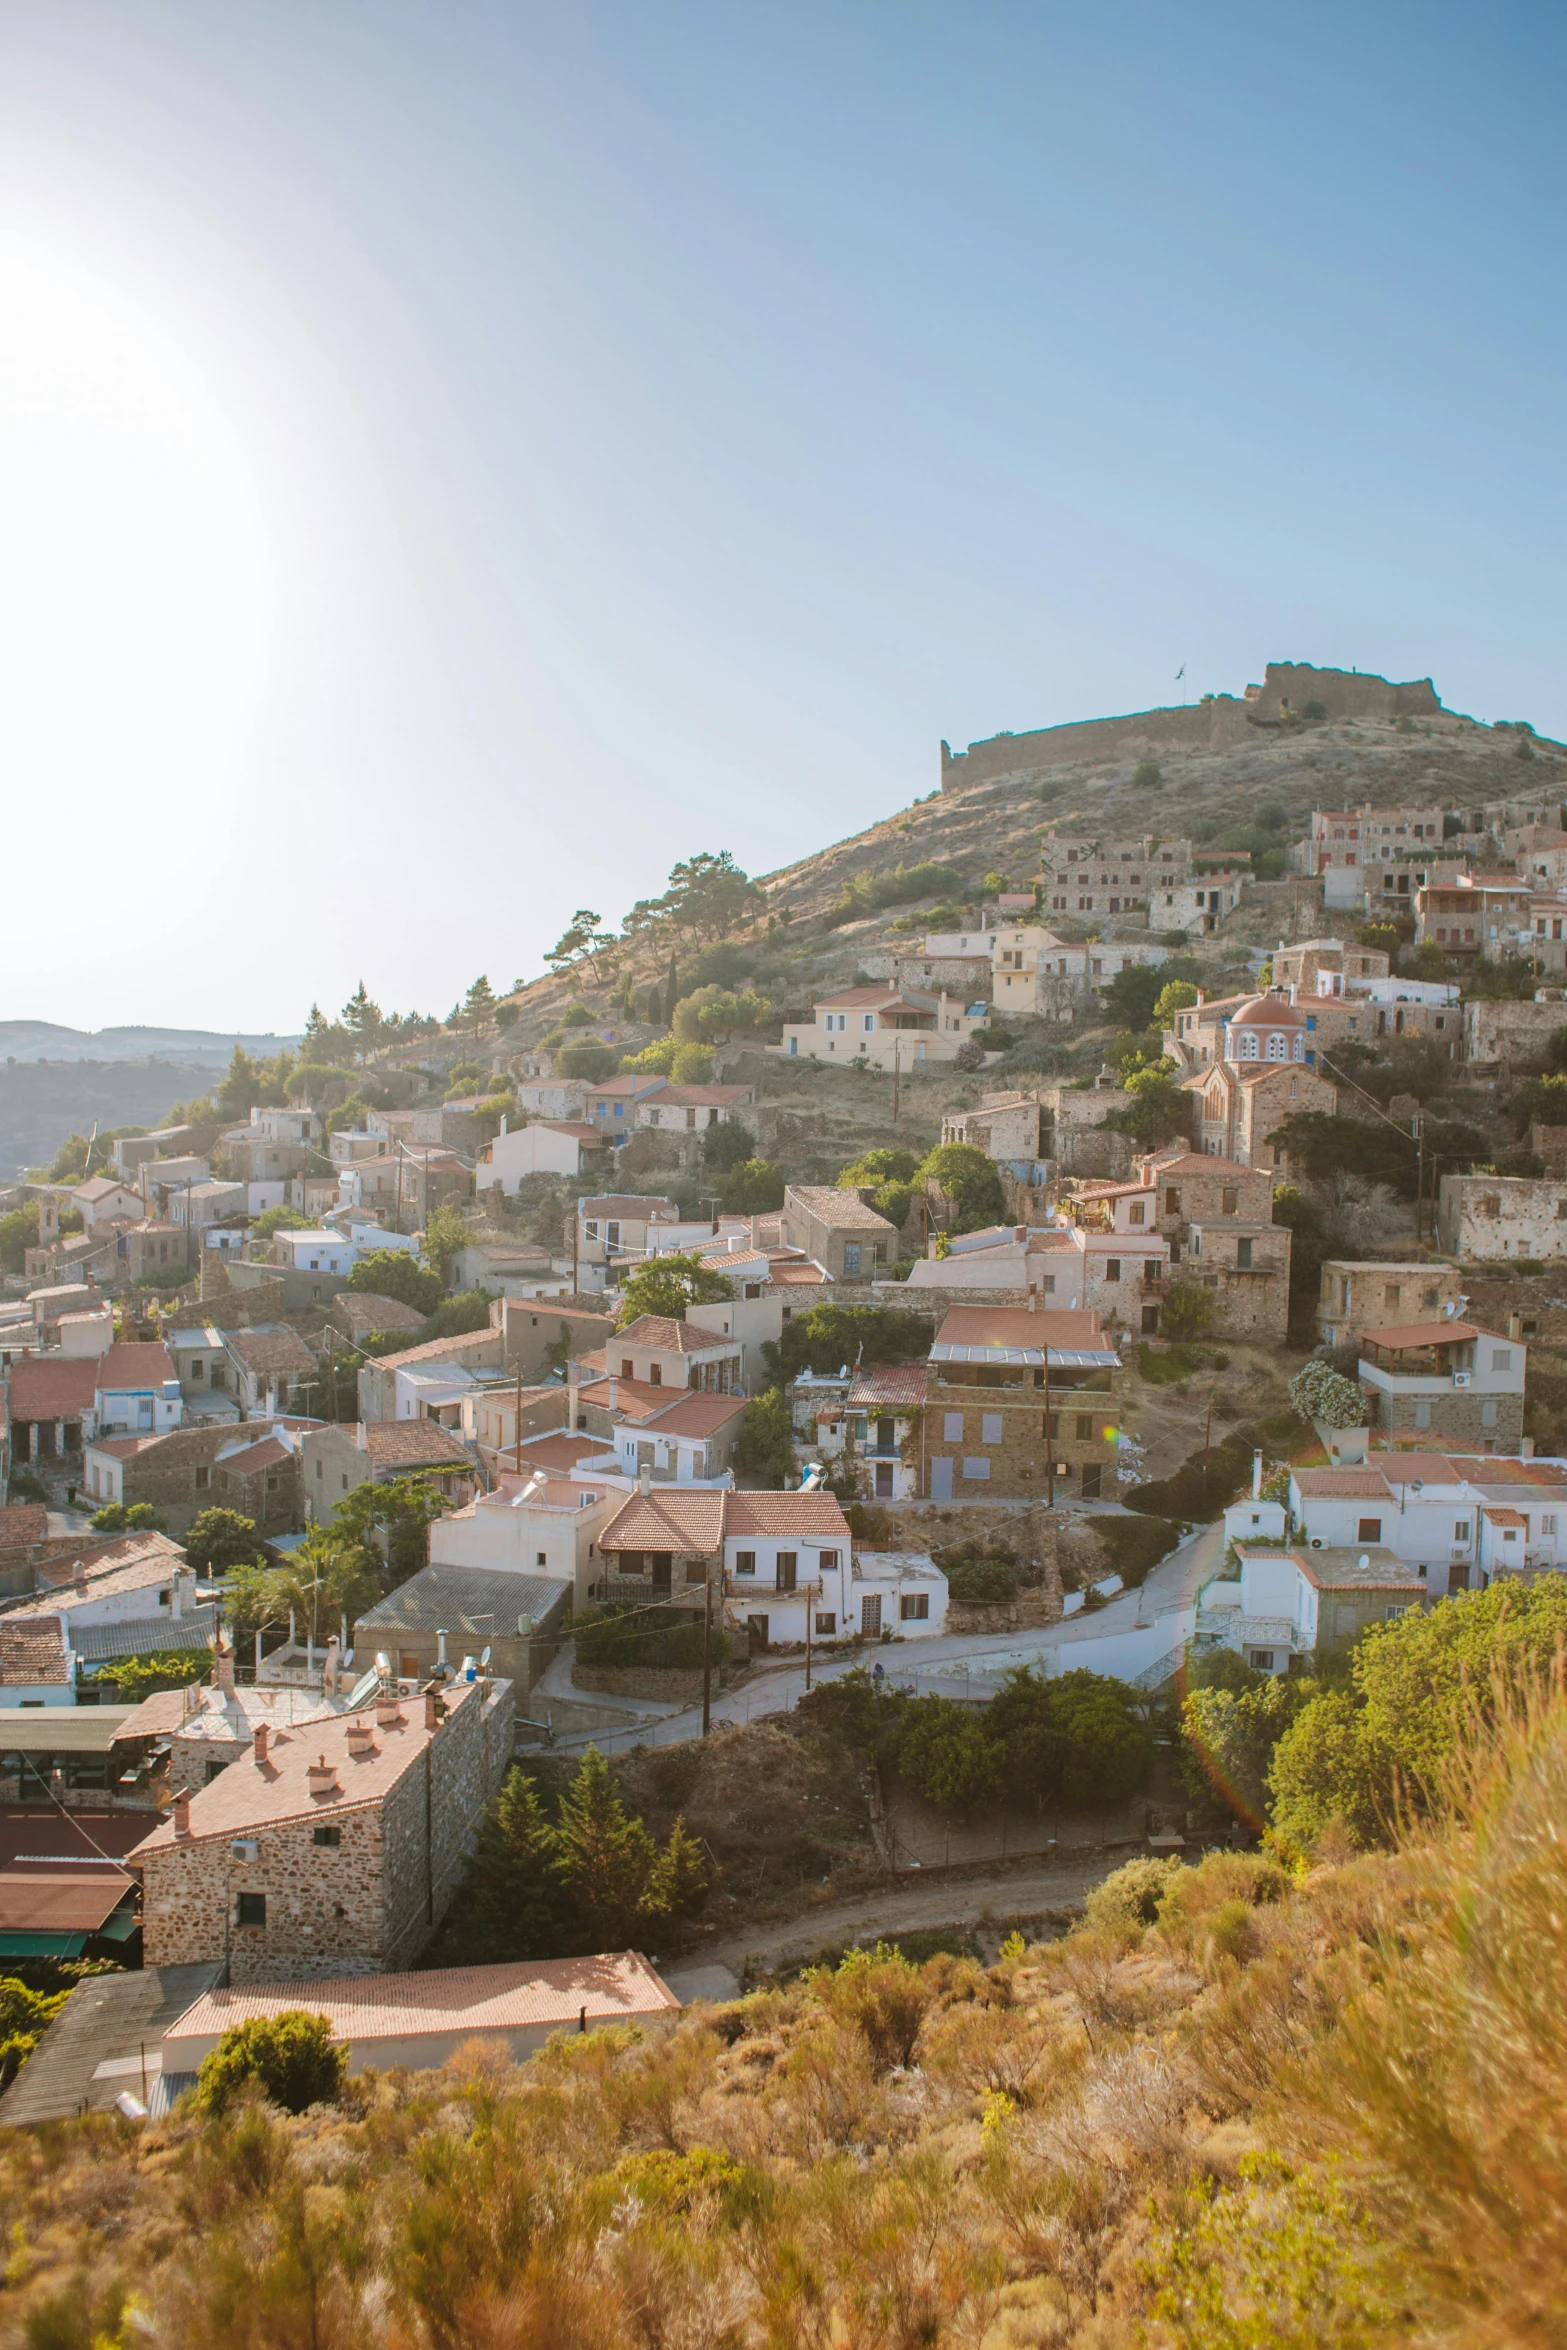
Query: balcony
(763,1587)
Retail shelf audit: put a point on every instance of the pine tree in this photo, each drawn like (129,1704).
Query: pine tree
(673,993)
(604,1859)
(509,1907)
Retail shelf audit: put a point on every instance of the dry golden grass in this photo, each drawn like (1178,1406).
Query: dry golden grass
(1321,2110)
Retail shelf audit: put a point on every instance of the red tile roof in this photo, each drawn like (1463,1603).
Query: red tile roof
(412,1444)
(557,1450)
(665,1336)
(810,1514)
(53,1387)
(668,1518)
(698,1414)
(129,1365)
(251,1794)
(886,1386)
(22,1522)
(268,1454)
(31,1651)
(841,1211)
(464,2000)
(1409,1334)
(263,1351)
(1013,1326)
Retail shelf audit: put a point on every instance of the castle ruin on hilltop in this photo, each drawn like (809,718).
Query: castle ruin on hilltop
(1289,689)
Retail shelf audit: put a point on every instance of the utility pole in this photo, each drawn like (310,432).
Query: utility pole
(707,1657)
(517,1432)
(809,1611)
(897,1074)
(1050,1450)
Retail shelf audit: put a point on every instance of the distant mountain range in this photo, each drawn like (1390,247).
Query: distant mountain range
(45,1040)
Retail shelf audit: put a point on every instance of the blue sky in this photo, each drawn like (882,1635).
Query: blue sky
(460,459)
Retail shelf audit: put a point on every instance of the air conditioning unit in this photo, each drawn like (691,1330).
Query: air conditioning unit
(1462,1378)
(1316,1542)
(244,1848)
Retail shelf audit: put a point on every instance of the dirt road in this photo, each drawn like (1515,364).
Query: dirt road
(908,1903)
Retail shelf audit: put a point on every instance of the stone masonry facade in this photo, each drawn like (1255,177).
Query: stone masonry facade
(1456,1420)
(1004,1429)
(364,1905)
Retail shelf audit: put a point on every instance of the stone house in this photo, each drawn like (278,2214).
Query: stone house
(1490,919)
(448,1613)
(613,1224)
(929,970)
(1500,1035)
(207,1725)
(270,1365)
(1072,1129)
(332,1849)
(178,1473)
(262,1481)
(1305,965)
(1018,1401)
(1359,1295)
(383,1395)
(1356,837)
(149,1250)
(1481,1219)
(837,1229)
(336,1456)
(358,1313)
(664,1544)
(1247,1269)
(102,1201)
(52,1402)
(690,1109)
(1005,1127)
(1445,1383)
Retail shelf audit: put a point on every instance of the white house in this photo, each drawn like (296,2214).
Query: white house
(1288,1600)
(539,1523)
(318,1251)
(883,1027)
(137,1392)
(546,1146)
(1461,1519)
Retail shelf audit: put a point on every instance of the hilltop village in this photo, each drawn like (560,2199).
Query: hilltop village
(1088,1241)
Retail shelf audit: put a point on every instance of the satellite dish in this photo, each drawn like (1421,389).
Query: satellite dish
(485,1657)
(1364,1561)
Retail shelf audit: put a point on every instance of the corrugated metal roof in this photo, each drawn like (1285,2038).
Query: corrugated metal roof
(477,1602)
(99,1644)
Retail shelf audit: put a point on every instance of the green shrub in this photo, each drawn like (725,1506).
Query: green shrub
(984,1582)
(291,2058)
(1131,1546)
(1130,1898)
(648,1639)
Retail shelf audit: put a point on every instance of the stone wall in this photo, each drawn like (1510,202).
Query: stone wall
(1202,726)
(672,1685)
(1458,1420)
(1029,1612)
(367,1905)
(1016,1458)
(166,1472)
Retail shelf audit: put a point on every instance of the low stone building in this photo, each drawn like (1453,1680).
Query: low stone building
(335,1456)
(270,1368)
(1445,1384)
(1246,1268)
(175,1472)
(1072,1129)
(838,1230)
(464,1610)
(262,1482)
(332,1849)
(358,1313)
(1482,1219)
(1360,1295)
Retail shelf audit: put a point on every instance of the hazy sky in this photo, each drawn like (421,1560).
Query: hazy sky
(457,459)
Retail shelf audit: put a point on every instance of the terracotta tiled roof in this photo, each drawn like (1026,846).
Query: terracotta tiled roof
(268,1454)
(145,1572)
(698,1414)
(251,1794)
(799,1274)
(31,1650)
(441,1350)
(105,1554)
(668,1518)
(50,1387)
(842,1211)
(665,1336)
(22,1522)
(812,1514)
(361,1309)
(634,1399)
(884,1386)
(134,1366)
(367,2008)
(1504,1517)
(1342,1484)
(264,1351)
(557,1450)
(412,1444)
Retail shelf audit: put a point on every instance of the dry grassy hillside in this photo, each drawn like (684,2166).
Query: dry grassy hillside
(1237,2108)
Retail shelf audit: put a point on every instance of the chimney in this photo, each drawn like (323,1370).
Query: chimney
(1256,1476)
(1033,1299)
(329,1668)
(263,1733)
(322,1776)
(361,1738)
(387,1710)
(182,1815)
(434,1711)
(440,1652)
(644,1477)
(1526,1448)
(177,1597)
(78,1577)
(614,1392)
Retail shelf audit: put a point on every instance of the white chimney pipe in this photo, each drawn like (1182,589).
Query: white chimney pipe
(1256,1476)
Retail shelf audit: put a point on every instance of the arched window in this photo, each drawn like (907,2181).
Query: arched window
(1300,1047)
(1278,1047)
(1248,1044)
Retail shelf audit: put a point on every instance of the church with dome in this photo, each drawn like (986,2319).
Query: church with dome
(1262,1079)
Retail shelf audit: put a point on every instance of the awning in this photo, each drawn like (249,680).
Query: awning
(42,1945)
(1062,1358)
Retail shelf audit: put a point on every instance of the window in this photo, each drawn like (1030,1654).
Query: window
(1501,1358)
(1422,1415)
(197,1370)
(1112,1268)
(1172,1201)
(785,1569)
(655,1377)
(626,1371)
(252,1909)
(1548,1526)
(328,1838)
(1370,1530)
(829,1562)
(1229,1200)
(979,1467)
(990,1428)
(1085,1427)
(1091,1476)
(1052,1427)
(826,1627)
(1260,1659)
(867,1022)
(1243,1256)
(914,1607)
(952,1428)
(745,1562)
(1135,1212)
(204,1479)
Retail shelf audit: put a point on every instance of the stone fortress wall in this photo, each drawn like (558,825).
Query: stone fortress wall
(1287,687)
